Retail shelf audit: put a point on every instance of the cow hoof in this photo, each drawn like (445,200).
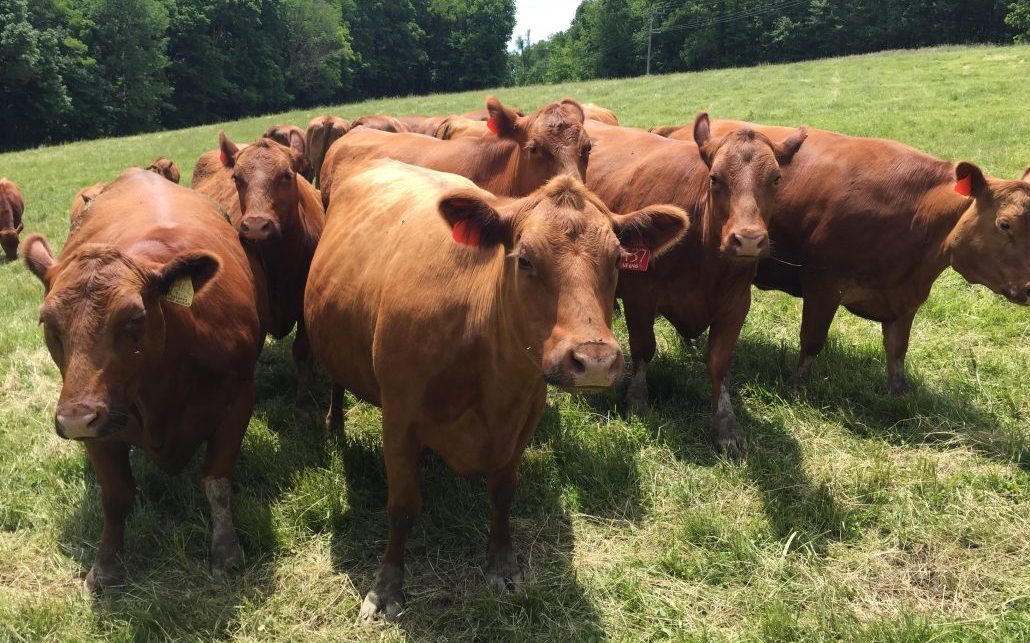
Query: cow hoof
(503,573)
(638,406)
(376,604)
(101,577)
(899,388)
(226,554)
(729,439)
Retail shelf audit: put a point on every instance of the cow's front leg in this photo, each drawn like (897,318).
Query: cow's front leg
(640,313)
(895,343)
(305,370)
(502,568)
(722,340)
(402,450)
(110,461)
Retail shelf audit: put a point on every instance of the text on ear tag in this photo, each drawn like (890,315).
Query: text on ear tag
(181,292)
(636,259)
(965,186)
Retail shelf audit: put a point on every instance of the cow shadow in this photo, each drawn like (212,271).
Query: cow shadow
(448,596)
(169,590)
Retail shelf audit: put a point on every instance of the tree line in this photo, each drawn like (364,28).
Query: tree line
(77,69)
(609,38)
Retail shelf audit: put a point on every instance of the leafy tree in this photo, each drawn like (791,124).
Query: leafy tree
(1018,19)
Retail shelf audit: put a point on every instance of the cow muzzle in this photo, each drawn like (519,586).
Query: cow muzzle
(9,241)
(87,421)
(591,366)
(748,244)
(258,229)
(1018,294)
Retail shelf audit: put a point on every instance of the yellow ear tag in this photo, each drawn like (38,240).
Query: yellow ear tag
(181,292)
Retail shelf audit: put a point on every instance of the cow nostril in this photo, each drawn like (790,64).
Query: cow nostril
(576,364)
(734,240)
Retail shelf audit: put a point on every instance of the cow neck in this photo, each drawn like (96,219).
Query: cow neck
(279,264)
(497,165)
(504,315)
(940,225)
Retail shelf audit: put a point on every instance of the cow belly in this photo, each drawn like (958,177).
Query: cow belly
(875,305)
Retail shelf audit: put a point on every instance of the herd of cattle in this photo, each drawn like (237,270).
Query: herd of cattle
(447,268)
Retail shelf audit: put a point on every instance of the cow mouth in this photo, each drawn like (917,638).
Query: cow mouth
(115,422)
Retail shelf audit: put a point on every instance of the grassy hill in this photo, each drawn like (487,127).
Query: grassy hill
(855,516)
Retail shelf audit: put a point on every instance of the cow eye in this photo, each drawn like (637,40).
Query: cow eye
(777,179)
(1004,226)
(715,180)
(524,264)
(531,146)
(586,150)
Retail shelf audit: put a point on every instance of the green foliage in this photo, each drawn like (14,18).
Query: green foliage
(1019,20)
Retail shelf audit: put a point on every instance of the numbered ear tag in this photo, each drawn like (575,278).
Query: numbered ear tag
(636,259)
(181,292)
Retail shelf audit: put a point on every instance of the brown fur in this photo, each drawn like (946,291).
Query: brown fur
(705,281)
(380,122)
(427,125)
(600,114)
(528,151)
(12,207)
(460,127)
(279,219)
(457,345)
(322,132)
(166,168)
(155,375)
(293,137)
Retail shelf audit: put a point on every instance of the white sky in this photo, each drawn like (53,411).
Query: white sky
(543,17)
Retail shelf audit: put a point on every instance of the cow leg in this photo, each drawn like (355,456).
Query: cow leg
(502,568)
(640,316)
(334,418)
(402,451)
(110,461)
(305,369)
(223,447)
(722,340)
(817,313)
(895,343)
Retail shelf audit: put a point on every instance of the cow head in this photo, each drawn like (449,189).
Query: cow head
(321,133)
(292,137)
(83,198)
(562,250)
(12,205)
(265,174)
(744,171)
(166,168)
(552,140)
(104,328)
(991,243)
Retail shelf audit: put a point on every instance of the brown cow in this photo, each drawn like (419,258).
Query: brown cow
(81,202)
(380,122)
(728,185)
(166,168)
(527,151)
(668,130)
(870,224)
(600,114)
(279,219)
(427,125)
(452,309)
(12,207)
(322,132)
(460,127)
(150,315)
(293,137)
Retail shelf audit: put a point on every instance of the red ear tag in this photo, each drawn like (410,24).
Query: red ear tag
(635,259)
(465,233)
(491,125)
(965,186)
(221,157)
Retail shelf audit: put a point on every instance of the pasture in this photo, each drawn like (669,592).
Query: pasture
(855,515)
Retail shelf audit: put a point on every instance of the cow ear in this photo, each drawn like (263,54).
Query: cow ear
(227,150)
(658,227)
(577,109)
(703,136)
(788,147)
(473,221)
(36,253)
(297,142)
(1026,175)
(970,180)
(198,267)
(501,120)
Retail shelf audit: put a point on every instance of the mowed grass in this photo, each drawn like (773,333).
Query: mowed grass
(855,516)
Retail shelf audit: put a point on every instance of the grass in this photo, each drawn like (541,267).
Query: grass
(856,516)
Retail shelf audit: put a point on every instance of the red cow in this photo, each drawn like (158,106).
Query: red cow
(12,206)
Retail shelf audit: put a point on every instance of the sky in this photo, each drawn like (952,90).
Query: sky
(542,17)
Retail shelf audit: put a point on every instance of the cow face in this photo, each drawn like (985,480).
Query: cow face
(991,243)
(265,175)
(11,207)
(166,168)
(561,267)
(744,172)
(552,140)
(104,328)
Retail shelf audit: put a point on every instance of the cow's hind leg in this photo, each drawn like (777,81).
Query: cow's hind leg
(895,342)
(334,418)
(640,324)
(110,461)
(817,313)
(402,452)
(305,369)
(223,447)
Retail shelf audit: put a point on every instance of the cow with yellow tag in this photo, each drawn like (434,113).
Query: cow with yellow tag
(150,314)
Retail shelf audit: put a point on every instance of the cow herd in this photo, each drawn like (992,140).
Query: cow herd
(448,268)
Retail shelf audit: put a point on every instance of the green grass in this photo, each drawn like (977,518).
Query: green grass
(855,516)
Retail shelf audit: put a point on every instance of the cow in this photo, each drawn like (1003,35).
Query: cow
(279,218)
(380,122)
(452,309)
(293,137)
(527,151)
(166,168)
(460,127)
(81,202)
(869,224)
(427,125)
(600,114)
(12,207)
(667,131)
(321,133)
(151,317)
(728,186)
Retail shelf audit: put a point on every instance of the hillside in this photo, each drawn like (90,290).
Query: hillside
(855,515)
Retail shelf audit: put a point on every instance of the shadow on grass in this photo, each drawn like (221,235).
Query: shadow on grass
(169,592)
(448,597)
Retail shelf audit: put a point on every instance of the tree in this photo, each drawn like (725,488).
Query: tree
(390,45)
(1018,19)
